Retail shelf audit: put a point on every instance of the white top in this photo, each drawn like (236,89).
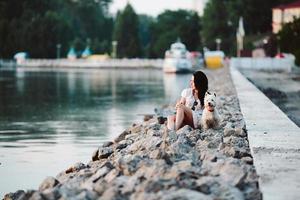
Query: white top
(190,99)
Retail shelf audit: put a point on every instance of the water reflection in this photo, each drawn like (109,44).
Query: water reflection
(173,85)
(51,119)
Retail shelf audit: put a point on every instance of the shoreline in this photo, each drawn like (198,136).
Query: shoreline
(148,162)
(95,64)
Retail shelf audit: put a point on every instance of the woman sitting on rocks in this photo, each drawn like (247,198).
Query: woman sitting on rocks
(189,108)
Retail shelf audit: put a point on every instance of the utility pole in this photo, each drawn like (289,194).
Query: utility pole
(114,49)
(58,47)
(218,41)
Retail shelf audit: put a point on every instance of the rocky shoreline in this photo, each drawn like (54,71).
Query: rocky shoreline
(147,161)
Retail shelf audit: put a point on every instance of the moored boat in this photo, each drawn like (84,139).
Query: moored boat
(176,59)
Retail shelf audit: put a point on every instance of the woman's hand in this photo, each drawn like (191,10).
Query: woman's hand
(180,102)
(179,105)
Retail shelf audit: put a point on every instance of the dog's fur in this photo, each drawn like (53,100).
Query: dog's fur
(210,116)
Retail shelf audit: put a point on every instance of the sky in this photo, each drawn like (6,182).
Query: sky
(155,7)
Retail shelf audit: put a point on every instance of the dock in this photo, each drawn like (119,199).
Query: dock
(274,141)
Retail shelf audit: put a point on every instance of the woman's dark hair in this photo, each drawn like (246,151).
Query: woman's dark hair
(201,84)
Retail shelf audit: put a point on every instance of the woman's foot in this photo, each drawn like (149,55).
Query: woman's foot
(171,122)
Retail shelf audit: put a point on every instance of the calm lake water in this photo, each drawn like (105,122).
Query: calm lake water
(50,120)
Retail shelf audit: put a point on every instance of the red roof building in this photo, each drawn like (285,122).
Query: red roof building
(295,4)
(284,14)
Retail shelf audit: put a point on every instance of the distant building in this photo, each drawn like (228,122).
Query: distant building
(285,13)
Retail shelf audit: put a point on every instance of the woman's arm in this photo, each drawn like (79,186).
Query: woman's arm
(180,102)
(198,106)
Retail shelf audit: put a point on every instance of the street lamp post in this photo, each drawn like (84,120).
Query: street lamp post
(278,44)
(114,49)
(58,47)
(218,41)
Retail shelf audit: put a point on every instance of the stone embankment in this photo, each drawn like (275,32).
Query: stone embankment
(87,63)
(149,162)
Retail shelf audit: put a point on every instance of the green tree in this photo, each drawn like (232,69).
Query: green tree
(221,17)
(257,14)
(90,21)
(216,24)
(44,33)
(32,29)
(126,33)
(38,26)
(145,23)
(190,31)
(171,25)
(290,39)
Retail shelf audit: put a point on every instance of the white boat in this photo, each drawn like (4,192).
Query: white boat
(20,57)
(176,59)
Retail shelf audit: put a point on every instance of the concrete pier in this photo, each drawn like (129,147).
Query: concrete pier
(274,141)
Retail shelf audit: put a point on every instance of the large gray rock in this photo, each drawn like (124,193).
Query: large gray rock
(185,194)
(105,152)
(233,174)
(111,175)
(122,136)
(15,195)
(49,182)
(51,193)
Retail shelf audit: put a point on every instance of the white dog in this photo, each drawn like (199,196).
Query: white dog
(210,116)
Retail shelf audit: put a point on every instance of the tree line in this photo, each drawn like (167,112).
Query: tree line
(220,20)
(38,26)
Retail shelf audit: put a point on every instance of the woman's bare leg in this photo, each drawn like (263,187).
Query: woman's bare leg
(188,117)
(184,116)
(171,122)
(179,118)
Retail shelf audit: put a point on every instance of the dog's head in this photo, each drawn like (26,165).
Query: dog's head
(210,101)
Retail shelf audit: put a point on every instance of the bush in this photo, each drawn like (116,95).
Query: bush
(290,39)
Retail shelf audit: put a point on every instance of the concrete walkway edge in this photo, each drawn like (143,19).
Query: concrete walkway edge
(274,141)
